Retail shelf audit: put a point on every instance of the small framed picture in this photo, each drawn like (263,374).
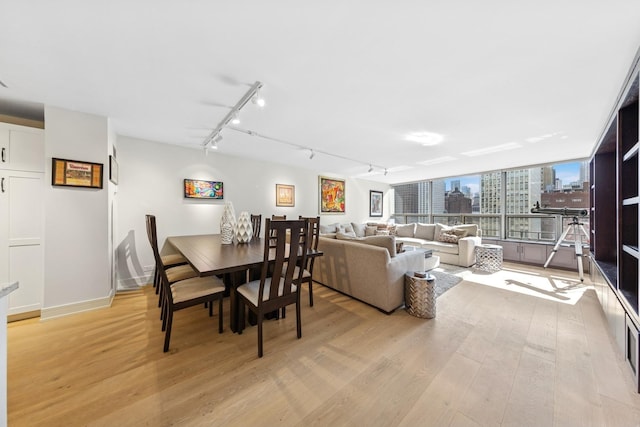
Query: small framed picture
(113,170)
(375,203)
(285,195)
(75,173)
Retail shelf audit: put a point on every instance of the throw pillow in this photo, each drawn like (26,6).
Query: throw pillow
(460,233)
(345,236)
(439,229)
(370,230)
(425,231)
(392,229)
(359,229)
(382,233)
(448,237)
(405,230)
(471,229)
(346,228)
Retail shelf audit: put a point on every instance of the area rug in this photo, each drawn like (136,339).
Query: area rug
(447,276)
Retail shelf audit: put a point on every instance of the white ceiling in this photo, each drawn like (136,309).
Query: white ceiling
(351,78)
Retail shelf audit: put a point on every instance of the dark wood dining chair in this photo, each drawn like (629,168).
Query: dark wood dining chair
(256,224)
(170,260)
(263,296)
(188,292)
(173,272)
(313,237)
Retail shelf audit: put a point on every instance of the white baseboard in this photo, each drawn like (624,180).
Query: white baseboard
(133,283)
(76,307)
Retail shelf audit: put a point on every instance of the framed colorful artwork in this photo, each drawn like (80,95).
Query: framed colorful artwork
(285,195)
(200,189)
(74,173)
(375,203)
(332,195)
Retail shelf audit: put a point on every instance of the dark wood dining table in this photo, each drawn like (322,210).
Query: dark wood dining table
(209,257)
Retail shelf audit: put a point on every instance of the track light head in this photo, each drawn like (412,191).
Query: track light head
(370,169)
(312,155)
(236,118)
(385,171)
(258,99)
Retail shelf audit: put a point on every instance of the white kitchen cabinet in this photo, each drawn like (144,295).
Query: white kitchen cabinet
(21,148)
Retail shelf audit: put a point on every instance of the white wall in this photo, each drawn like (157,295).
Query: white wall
(151,181)
(76,224)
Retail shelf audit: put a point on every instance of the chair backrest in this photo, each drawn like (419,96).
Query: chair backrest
(151,232)
(287,256)
(314,231)
(147,220)
(153,239)
(313,236)
(256,223)
(277,218)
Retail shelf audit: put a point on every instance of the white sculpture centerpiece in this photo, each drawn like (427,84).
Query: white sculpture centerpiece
(244,229)
(228,223)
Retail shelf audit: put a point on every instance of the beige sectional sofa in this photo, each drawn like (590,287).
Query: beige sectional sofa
(367,269)
(454,245)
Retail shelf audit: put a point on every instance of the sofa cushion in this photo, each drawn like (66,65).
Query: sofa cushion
(383,233)
(331,228)
(358,228)
(388,242)
(448,248)
(370,230)
(405,230)
(425,231)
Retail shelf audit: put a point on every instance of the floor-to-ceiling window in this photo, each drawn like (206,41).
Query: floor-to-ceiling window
(501,201)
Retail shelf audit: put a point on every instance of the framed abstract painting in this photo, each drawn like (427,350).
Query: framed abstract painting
(332,195)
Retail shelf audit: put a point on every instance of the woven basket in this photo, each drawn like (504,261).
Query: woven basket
(420,296)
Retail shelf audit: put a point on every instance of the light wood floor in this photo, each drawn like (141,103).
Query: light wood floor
(502,351)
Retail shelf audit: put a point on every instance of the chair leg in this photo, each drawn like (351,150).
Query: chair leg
(167,335)
(298,323)
(260,318)
(219,315)
(163,316)
(310,292)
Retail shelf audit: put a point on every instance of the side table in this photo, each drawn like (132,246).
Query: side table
(420,295)
(489,258)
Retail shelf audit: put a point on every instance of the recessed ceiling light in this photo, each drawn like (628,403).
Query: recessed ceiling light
(425,138)
(492,149)
(437,160)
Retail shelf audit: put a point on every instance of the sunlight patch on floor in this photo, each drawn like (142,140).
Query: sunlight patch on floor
(555,285)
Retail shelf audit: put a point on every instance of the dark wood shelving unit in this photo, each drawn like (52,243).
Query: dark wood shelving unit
(615,202)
